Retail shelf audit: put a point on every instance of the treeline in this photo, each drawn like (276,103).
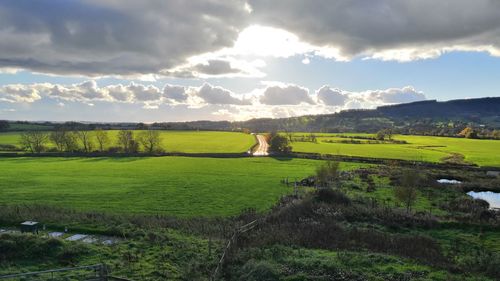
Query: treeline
(89,141)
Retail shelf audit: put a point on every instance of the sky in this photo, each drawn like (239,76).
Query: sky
(176,60)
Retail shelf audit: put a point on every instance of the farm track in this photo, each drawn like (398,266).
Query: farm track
(263,147)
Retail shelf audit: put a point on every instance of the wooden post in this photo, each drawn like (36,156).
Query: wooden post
(209,247)
(103,275)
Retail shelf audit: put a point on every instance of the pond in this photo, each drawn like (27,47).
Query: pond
(492,197)
(448,181)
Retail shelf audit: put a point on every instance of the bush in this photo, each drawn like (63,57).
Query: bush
(467,205)
(259,271)
(331,196)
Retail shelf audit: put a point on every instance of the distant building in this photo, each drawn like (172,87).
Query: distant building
(29,226)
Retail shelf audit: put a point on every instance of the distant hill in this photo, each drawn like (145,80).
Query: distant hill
(429,117)
(424,117)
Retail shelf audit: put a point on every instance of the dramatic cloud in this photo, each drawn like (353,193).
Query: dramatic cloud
(130,38)
(95,37)
(285,95)
(387,29)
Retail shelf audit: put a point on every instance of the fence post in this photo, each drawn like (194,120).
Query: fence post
(103,273)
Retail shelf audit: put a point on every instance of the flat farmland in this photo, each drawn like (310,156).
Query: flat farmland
(421,148)
(178,186)
(175,141)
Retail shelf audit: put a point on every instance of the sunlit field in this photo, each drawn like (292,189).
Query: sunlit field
(418,148)
(176,141)
(179,186)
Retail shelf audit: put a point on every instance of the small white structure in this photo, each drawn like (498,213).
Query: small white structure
(76,237)
(447,181)
(55,234)
(494,174)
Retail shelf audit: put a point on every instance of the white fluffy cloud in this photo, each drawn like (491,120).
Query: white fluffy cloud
(396,95)
(329,96)
(272,100)
(18,94)
(367,99)
(217,95)
(285,95)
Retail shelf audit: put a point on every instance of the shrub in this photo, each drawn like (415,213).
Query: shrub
(331,196)
(259,271)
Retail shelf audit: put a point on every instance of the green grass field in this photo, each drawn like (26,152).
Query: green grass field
(178,141)
(179,186)
(433,149)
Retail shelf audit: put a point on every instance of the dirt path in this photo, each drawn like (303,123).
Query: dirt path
(262,149)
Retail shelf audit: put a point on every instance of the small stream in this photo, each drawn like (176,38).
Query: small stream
(491,197)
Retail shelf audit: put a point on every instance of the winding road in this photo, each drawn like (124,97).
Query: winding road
(262,149)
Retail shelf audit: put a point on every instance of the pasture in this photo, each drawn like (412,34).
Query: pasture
(418,148)
(175,141)
(179,186)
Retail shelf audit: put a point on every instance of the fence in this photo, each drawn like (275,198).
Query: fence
(230,244)
(98,272)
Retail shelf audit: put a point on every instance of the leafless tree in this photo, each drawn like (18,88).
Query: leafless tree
(127,142)
(406,193)
(64,140)
(102,138)
(84,137)
(34,141)
(150,140)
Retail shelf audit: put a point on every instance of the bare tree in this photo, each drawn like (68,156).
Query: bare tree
(102,138)
(70,141)
(34,141)
(127,142)
(327,173)
(64,140)
(406,193)
(150,140)
(84,137)
(58,138)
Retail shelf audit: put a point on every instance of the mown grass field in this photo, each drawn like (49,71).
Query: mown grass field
(180,186)
(176,141)
(421,148)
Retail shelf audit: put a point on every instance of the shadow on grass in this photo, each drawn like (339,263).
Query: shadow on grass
(281,158)
(114,159)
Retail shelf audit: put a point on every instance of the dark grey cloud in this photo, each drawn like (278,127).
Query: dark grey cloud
(210,68)
(176,93)
(424,27)
(216,67)
(95,37)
